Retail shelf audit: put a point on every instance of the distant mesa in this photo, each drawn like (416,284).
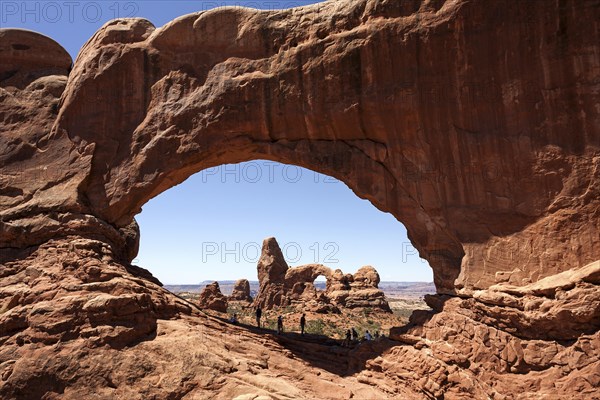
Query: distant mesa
(211,298)
(281,286)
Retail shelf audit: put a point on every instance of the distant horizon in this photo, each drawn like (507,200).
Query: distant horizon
(253,281)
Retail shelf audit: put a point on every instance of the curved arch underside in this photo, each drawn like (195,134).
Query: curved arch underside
(483,144)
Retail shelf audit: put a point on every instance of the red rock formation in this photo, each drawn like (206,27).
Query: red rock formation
(29,57)
(271,270)
(281,286)
(241,291)
(364,291)
(474,123)
(479,162)
(211,298)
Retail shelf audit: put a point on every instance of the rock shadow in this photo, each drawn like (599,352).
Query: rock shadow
(326,353)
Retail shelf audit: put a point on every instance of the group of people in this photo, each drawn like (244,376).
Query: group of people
(258,313)
(352,335)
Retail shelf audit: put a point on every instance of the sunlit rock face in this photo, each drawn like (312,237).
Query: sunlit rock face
(211,298)
(476,124)
(282,286)
(241,291)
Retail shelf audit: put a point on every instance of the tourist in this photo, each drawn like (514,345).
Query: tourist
(258,315)
(376,334)
(233,319)
(368,336)
(302,323)
(354,334)
(346,342)
(279,325)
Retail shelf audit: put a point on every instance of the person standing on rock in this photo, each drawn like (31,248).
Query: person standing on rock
(346,342)
(258,315)
(279,325)
(368,336)
(354,334)
(302,323)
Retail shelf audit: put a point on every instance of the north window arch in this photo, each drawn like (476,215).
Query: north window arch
(147,110)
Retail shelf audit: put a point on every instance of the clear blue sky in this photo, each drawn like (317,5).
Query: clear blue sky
(212,225)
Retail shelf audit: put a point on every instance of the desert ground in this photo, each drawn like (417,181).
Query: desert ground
(403,298)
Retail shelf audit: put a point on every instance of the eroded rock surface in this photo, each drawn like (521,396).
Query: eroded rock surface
(281,286)
(241,291)
(474,123)
(212,298)
(29,57)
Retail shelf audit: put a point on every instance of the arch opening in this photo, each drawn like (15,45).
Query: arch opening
(320,283)
(219,216)
(210,229)
(337,161)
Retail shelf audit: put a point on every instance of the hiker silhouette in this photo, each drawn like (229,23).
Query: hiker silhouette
(302,323)
(258,315)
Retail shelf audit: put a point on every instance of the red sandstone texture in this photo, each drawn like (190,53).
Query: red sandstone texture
(241,291)
(211,298)
(475,123)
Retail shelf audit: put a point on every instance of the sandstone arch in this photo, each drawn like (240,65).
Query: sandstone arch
(479,181)
(475,124)
(282,286)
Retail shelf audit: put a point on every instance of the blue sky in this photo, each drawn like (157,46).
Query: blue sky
(212,225)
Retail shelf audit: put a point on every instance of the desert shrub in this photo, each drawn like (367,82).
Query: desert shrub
(316,327)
